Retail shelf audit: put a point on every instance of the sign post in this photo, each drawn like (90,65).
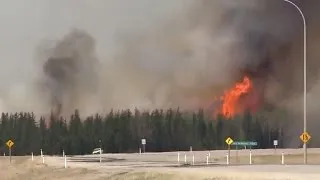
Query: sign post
(250,157)
(229,141)
(275,143)
(10,144)
(144,142)
(245,144)
(100,154)
(305,137)
(65,161)
(237,159)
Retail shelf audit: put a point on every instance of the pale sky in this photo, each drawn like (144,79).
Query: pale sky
(25,24)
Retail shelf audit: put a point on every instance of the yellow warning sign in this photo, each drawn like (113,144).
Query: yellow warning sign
(10,143)
(305,137)
(229,141)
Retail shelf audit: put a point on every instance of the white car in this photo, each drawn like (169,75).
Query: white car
(97,151)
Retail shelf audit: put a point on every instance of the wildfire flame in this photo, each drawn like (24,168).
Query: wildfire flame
(231,97)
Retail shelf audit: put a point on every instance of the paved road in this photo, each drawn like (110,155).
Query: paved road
(171,158)
(167,163)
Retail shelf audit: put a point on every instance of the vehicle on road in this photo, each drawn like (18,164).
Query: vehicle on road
(97,151)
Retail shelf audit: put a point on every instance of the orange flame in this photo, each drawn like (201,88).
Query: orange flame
(231,97)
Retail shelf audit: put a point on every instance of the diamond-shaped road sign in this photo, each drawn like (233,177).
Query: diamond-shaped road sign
(229,141)
(305,137)
(10,143)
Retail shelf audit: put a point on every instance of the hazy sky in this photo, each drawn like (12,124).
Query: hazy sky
(26,24)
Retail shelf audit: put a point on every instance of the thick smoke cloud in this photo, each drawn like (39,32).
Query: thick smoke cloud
(157,54)
(71,71)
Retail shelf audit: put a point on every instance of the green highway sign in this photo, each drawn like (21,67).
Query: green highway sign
(244,143)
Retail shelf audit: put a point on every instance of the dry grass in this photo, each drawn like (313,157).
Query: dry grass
(22,168)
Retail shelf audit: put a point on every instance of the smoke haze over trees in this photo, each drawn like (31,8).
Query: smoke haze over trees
(95,56)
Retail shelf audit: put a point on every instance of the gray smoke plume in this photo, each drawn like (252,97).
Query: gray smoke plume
(71,71)
(158,54)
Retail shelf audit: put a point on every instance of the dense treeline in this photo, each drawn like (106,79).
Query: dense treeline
(121,131)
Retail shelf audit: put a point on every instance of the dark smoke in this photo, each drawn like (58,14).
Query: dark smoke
(70,71)
(229,39)
(272,36)
(269,49)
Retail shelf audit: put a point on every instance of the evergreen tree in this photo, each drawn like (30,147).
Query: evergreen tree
(157,141)
(247,126)
(89,134)
(122,131)
(109,132)
(43,135)
(219,129)
(76,135)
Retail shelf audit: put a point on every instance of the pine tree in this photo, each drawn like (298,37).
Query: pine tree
(220,129)
(211,143)
(76,135)
(108,133)
(247,125)
(43,135)
(89,134)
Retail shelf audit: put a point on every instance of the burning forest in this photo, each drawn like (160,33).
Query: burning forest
(225,56)
(232,97)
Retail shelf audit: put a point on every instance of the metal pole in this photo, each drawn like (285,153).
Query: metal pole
(250,157)
(10,153)
(207,159)
(192,159)
(100,151)
(228,154)
(228,159)
(304,76)
(237,159)
(65,161)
